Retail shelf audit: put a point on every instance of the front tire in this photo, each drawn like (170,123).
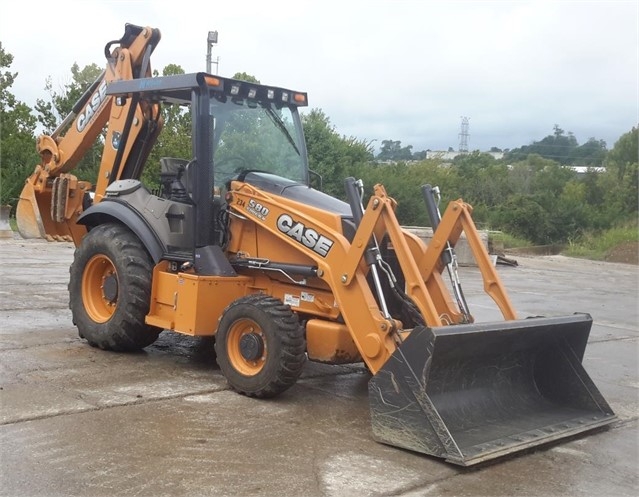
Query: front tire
(260,346)
(110,289)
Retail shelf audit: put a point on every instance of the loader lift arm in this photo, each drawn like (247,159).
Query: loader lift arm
(53,198)
(377,337)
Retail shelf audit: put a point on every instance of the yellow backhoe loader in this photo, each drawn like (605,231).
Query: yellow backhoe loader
(238,245)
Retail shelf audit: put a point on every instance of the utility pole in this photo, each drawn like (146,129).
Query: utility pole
(211,40)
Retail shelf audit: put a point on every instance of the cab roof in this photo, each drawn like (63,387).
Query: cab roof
(178,89)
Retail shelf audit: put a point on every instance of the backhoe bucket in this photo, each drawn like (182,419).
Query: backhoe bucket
(28,218)
(470,393)
(33,216)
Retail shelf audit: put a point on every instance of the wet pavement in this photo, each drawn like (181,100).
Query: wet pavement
(77,421)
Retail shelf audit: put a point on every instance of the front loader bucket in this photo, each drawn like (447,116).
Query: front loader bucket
(470,393)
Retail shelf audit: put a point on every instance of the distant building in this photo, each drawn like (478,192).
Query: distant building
(441,154)
(582,170)
(451,154)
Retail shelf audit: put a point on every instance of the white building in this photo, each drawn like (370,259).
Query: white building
(450,155)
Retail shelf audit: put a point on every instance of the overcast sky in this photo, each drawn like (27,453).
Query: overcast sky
(401,70)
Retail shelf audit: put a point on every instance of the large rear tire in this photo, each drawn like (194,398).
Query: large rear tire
(110,289)
(260,346)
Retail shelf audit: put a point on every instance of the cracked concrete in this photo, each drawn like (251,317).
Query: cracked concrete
(77,421)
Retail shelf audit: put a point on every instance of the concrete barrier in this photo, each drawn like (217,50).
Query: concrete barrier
(5,228)
(462,249)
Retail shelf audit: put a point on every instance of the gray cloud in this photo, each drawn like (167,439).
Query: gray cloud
(406,70)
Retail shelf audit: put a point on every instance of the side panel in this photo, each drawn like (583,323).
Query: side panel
(330,342)
(165,227)
(201,301)
(192,304)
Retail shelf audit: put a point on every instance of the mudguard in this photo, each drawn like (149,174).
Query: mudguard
(109,210)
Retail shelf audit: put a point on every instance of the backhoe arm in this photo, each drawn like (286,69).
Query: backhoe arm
(52,198)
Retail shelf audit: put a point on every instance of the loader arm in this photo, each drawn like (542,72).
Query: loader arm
(457,218)
(340,264)
(369,329)
(53,198)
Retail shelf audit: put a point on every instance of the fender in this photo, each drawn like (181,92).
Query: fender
(109,210)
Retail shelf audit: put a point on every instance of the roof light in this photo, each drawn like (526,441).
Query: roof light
(270,94)
(252,92)
(300,98)
(284,96)
(235,89)
(211,81)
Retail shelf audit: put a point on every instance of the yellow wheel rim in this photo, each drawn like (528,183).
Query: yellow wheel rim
(100,288)
(245,329)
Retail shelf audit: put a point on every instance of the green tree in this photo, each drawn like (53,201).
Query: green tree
(592,153)
(420,155)
(392,150)
(175,138)
(18,156)
(332,156)
(243,76)
(483,180)
(620,182)
(547,190)
(571,217)
(522,215)
(403,182)
(562,148)
(60,104)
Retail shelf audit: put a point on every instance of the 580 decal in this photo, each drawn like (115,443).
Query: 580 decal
(304,235)
(258,210)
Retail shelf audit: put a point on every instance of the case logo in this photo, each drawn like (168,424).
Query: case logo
(97,99)
(306,236)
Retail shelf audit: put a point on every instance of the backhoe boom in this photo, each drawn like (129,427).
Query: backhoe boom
(53,198)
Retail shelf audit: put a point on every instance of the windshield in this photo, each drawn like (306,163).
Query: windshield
(255,136)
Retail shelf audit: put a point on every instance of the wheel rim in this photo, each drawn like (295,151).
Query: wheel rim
(245,331)
(100,288)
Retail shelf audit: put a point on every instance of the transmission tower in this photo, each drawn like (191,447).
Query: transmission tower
(463,136)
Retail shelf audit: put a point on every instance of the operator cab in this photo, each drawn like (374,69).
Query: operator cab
(239,131)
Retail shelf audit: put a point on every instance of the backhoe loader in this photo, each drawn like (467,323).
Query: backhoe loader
(235,243)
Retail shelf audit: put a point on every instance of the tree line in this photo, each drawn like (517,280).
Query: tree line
(531,193)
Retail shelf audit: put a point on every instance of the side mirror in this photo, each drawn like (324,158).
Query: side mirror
(315,180)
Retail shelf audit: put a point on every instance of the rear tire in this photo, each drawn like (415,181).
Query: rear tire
(110,289)
(260,346)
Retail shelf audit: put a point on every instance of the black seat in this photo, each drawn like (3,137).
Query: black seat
(171,168)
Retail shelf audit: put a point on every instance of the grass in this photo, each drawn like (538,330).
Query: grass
(591,245)
(597,245)
(500,241)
